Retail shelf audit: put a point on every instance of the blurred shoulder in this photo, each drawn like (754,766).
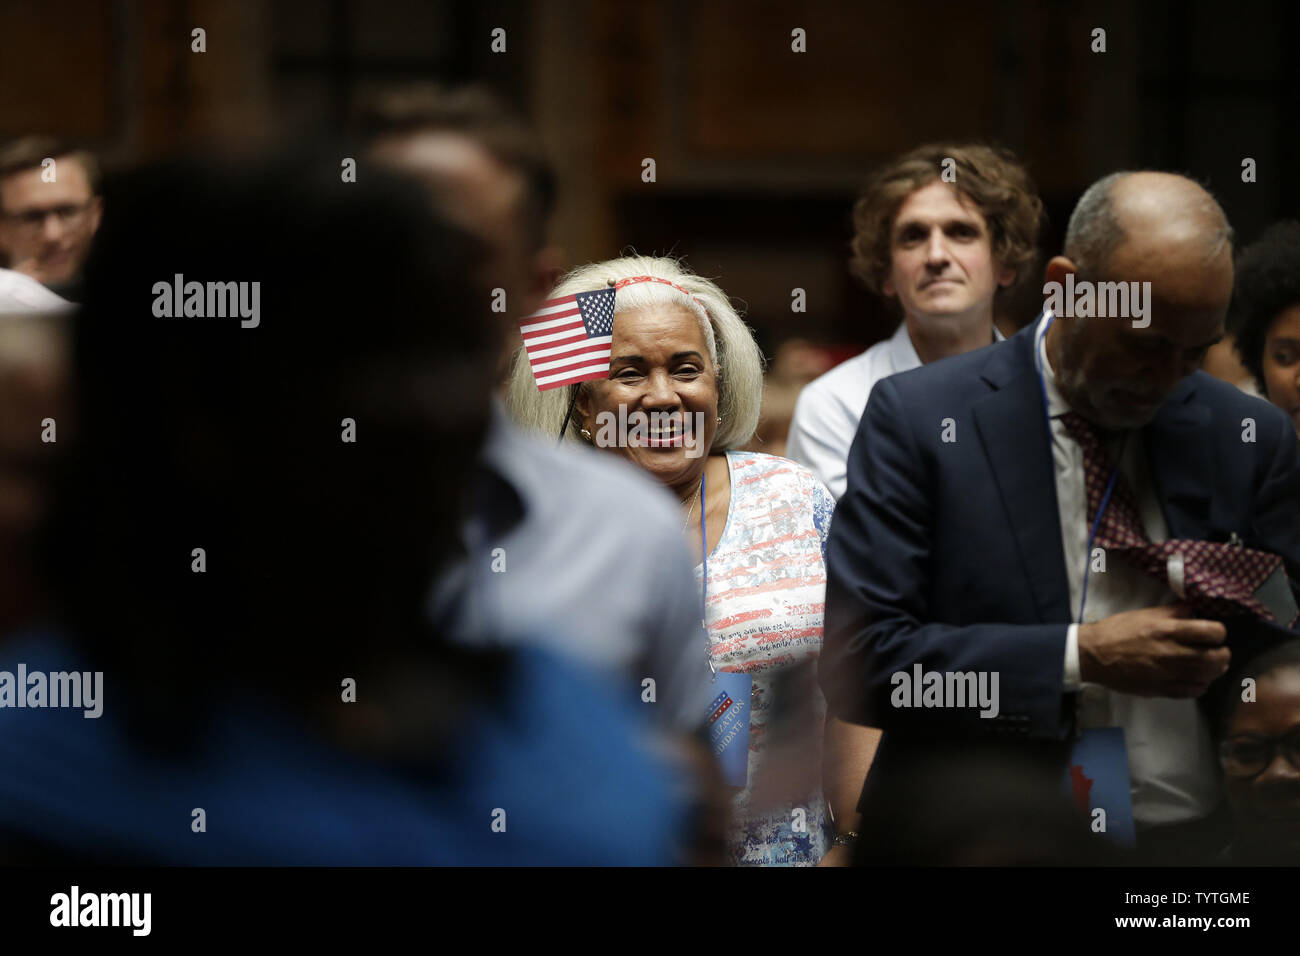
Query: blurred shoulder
(21,294)
(573,475)
(564,730)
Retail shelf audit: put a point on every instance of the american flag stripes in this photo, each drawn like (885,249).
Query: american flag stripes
(568,338)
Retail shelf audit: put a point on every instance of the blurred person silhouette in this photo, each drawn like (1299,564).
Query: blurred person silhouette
(779,397)
(488,174)
(1260,753)
(32,419)
(797,362)
(50,208)
(686,379)
(1223,361)
(1265,315)
(544,525)
(794,364)
(977,536)
(243,545)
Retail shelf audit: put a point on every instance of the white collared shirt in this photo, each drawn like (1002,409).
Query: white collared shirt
(827,413)
(1172,764)
(23,294)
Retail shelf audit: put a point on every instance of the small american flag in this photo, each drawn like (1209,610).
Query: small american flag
(721,705)
(567,339)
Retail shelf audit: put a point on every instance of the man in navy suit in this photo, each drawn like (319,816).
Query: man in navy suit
(1028,522)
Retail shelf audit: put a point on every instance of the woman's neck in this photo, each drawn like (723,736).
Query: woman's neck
(687,490)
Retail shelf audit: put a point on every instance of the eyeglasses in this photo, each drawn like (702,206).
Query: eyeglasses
(34,221)
(1246,755)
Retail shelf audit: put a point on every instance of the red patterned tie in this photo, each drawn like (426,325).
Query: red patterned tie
(1219,580)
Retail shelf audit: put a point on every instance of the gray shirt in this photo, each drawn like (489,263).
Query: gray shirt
(574,550)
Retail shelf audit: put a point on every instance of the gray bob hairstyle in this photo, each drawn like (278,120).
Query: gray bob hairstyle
(736,357)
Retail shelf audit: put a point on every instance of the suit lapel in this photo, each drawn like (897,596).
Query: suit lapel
(1012,425)
(1182,463)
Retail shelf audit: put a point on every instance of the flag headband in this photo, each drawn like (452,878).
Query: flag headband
(635,279)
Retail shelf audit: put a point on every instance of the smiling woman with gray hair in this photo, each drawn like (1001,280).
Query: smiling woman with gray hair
(682,394)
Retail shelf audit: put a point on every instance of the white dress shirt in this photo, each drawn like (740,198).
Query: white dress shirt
(827,413)
(23,294)
(1172,764)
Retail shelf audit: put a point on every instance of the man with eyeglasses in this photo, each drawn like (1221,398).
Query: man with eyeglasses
(1260,755)
(49,210)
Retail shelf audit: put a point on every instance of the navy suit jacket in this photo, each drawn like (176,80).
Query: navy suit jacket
(948,553)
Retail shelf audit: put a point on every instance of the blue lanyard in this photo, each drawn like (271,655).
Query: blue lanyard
(704,585)
(1110,485)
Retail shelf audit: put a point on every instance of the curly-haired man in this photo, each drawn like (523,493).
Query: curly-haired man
(939,232)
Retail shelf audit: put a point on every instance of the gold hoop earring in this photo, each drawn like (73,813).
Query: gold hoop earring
(586,435)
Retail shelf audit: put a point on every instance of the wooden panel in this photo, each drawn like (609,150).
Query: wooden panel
(628,63)
(55,67)
(875,78)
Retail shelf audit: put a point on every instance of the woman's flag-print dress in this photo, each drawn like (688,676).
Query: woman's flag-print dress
(765,601)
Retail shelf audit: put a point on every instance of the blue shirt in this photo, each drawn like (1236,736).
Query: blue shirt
(559,753)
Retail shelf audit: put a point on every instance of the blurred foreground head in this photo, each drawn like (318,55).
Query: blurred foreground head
(232,436)
(49,207)
(486,171)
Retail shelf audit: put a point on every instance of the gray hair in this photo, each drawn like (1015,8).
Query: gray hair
(736,357)
(1095,232)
